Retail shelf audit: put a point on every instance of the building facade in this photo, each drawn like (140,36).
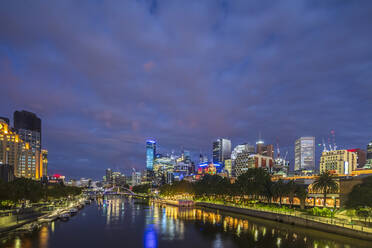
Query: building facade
(265,150)
(150,154)
(341,162)
(305,154)
(221,150)
(19,154)
(246,161)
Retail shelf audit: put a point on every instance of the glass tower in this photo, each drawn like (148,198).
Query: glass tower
(150,154)
(221,150)
(305,154)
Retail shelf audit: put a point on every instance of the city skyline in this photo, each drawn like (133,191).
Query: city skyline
(287,70)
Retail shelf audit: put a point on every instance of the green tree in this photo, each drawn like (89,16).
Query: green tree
(326,183)
(360,195)
(301,193)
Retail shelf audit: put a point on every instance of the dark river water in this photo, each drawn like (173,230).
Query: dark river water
(122,222)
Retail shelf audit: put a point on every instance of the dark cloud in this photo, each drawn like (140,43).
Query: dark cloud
(104,76)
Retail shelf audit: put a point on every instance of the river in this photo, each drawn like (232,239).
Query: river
(123,222)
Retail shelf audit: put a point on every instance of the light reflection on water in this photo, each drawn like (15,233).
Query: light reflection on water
(114,221)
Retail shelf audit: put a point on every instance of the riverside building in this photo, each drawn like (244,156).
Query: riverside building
(341,162)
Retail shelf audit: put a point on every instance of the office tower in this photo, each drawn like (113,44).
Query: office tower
(221,150)
(17,153)
(28,126)
(186,156)
(305,154)
(108,175)
(150,154)
(341,162)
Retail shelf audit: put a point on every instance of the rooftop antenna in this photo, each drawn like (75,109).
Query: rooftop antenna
(333,133)
(324,146)
(260,141)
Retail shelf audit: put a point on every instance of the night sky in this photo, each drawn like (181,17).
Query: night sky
(106,75)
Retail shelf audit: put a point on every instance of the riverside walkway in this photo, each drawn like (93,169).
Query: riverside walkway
(342,225)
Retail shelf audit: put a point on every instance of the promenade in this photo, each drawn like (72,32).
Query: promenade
(336,225)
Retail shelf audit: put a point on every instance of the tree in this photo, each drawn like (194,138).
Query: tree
(291,191)
(325,183)
(279,190)
(301,193)
(360,195)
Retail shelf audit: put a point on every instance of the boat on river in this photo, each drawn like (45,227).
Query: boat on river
(64,216)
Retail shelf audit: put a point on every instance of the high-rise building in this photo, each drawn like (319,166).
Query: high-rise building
(221,150)
(150,154)
(369,151)
(18,154)
(108,175)
(305,154)
(136,178)
(246,148)
(28,126)
(339,162)
(186,156)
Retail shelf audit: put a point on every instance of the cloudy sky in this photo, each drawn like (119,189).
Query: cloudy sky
(106,75)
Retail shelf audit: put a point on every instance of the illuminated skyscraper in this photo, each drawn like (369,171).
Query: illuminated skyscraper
(150,154)
(28,126)
(221,150)
(305,154)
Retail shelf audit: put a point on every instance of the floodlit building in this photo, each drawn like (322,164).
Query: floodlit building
(305,154)
(150,154)
(163,166)
(19,154)
(228,166)
(221,150)
(339,162)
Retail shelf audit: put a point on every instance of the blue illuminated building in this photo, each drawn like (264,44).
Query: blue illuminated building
(150,154)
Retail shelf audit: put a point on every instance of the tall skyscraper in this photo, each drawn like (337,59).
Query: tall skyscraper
(305,154)
(221,150)
(150,154)
(28,126)
(108,175)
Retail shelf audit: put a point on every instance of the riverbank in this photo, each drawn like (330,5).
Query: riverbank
(13,222)
(317,224)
